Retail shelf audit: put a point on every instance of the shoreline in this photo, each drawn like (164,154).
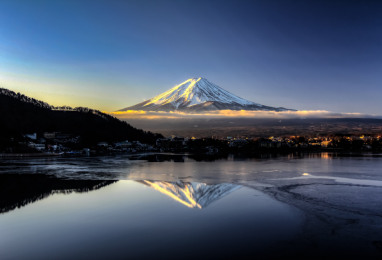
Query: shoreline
(29,154)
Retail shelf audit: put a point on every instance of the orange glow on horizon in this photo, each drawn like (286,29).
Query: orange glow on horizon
(140,114)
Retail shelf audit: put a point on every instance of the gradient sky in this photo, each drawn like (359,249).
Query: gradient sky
(107,55)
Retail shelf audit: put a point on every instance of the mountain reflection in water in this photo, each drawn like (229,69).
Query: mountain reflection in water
(19,190)
(192,194)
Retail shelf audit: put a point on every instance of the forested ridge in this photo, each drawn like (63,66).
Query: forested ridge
(20,114)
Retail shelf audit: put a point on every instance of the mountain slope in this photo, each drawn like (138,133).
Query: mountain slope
(198,95)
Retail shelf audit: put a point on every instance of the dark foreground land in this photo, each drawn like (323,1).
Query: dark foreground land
(24,115)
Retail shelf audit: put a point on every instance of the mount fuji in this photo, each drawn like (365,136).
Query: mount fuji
(199,95)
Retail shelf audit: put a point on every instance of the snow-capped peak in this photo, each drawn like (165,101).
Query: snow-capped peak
(196,91)
(198,94)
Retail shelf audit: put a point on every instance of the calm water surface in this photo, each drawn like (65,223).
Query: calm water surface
(172,206)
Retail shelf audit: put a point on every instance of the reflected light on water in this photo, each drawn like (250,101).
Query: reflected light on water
(163,190)
(326,156)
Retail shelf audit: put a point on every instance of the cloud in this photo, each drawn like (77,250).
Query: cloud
(139,114)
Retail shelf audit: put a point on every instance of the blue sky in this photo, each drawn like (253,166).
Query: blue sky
(107,55)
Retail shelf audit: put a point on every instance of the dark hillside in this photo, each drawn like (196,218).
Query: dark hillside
(20,114)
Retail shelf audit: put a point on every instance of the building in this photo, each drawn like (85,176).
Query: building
(367,147)
(62,136)
(124,144)
(326,143)
(269,144)
(266,144)
(39,147)
(49,135)
(52,147)
(237,143)
(177,142)
(104,144)
(163,143)
(31,136)
(136,144)
(171,142)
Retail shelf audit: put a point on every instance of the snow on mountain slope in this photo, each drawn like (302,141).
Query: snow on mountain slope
(196,91)
(192,194)
(198,95)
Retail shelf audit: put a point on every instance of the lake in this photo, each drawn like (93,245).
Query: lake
(320,205)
